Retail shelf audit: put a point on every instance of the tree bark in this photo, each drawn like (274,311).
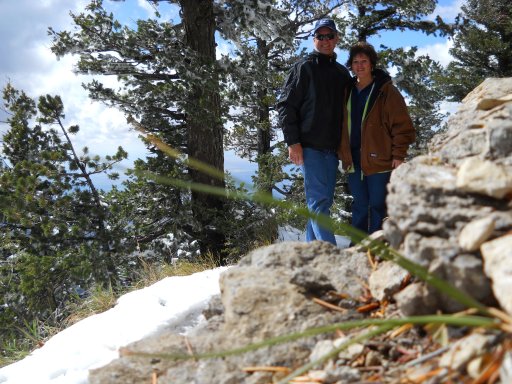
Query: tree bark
(205,136)
(264,136)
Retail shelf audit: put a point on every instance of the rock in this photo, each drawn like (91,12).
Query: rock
(484,177)
(499,127)
(386,280)
(351,352)
(497,256)
(372,358)
(322,348)
(267,294)
(416,299)
(506,368)
(341,374)
(464,350)
(474,367)
(475,233)
(490,103)
(444,205)
(311,280)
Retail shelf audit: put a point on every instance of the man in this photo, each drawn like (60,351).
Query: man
(311,116)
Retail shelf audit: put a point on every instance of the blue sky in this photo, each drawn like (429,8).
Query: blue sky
(26,61)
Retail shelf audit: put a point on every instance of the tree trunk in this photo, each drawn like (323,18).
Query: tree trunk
(265,181)
(205,136)
(264,168)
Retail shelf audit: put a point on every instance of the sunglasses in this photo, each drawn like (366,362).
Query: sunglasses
(328,36)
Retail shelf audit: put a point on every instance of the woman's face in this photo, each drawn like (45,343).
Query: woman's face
(361,66)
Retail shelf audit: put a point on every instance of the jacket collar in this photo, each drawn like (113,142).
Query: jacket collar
(380,77)
(320,58)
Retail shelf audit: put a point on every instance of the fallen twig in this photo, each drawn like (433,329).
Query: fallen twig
(426,357)
(339,295)
(267,369)
(397,332)
(490,370)
(371,260)
(329,305)
(368,307)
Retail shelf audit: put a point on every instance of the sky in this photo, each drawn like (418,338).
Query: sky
(27,62)
(67,357)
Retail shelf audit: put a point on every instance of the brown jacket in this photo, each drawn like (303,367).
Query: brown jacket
(387,131)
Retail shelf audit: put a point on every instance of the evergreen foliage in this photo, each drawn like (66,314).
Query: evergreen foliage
(168,81)
(54,235)
(482,46)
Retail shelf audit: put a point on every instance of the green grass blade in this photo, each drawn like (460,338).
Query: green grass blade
(462,321)
(376,247)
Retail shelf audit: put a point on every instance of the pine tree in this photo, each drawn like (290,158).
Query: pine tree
(169,80)
(169,83)
(54,231)
(482,46)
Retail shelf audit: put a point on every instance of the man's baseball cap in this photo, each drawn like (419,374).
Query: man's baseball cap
(329,23)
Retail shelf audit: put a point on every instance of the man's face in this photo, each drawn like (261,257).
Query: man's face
(325,40)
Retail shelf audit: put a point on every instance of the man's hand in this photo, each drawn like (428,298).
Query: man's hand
(295,154)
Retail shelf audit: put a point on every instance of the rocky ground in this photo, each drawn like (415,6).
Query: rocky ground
(449,211)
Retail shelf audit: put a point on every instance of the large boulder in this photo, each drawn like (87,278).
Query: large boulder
(445,206)
(269,293)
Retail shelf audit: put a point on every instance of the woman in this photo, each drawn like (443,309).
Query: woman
(376,134)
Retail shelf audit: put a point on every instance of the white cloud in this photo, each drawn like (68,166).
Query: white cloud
(448,11)
(28,63)
(147,6)
(438,52)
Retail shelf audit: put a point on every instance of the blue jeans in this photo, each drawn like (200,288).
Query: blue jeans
(319,170)
(369,205)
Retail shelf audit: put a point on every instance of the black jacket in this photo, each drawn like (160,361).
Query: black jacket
(311,105)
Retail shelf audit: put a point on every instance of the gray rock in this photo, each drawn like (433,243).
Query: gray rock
(475,233)
(267,294)
(386,280)
(497,255)
(466,177)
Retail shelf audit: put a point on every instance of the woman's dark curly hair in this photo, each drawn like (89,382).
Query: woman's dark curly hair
(364,48)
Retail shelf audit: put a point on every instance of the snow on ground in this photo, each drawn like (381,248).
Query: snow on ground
(288,233)
(67,357)
(93,342)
